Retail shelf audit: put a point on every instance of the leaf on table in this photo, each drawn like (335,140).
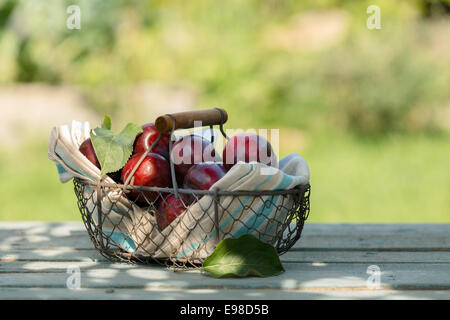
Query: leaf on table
(243,257)
(113,150)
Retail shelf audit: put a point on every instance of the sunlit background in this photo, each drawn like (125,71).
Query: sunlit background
(369,110)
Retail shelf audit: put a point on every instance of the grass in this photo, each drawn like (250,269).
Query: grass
(391,179)
(30,189)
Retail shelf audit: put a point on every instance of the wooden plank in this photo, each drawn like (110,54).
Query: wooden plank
(59,254)
(59,228)
(20,225)
(55,259)
(306,242)
(30,242)
(368,257)
(366,236)
(15,258)
(381,242)
(208,294)
(315,236)
(67,228)
(51,266)
(298,276)
(63,267)
(34,235)
(377,228)
(37,227)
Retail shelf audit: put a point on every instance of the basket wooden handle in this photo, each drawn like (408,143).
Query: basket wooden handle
(185,120)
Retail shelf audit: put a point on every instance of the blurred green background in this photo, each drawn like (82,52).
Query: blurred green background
(369,110)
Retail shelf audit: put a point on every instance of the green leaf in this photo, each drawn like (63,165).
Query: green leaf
(243,257)
(113,150)
(106,123)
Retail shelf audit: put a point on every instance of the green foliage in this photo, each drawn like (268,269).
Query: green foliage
(396,178)
(371,106)
(6,8)
(376,90)
(106,123)
(113,150)
(243,257)
(228,53)
(29,187)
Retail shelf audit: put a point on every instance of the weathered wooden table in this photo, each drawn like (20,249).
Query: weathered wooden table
(331,261)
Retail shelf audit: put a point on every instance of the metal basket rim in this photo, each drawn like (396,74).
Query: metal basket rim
(212,192)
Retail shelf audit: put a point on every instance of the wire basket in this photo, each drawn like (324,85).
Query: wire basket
(133,231)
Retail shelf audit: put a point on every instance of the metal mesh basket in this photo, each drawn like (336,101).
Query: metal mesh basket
(132,230)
